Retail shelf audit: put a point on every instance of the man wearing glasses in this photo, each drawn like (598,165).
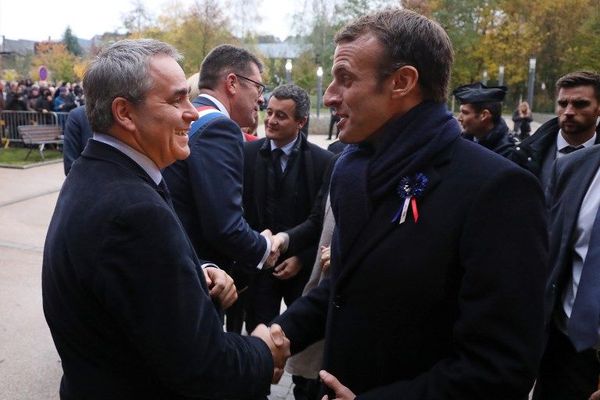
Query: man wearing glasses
(207,187)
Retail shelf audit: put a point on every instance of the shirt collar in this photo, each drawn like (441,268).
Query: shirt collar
(561,143)
(219,105)
(139,158)
(287,149)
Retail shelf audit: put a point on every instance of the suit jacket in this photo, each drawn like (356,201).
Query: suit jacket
(308,232)
(207,194)
(571,179)
(257,155)
(77,133)
(125,297)
(450,307)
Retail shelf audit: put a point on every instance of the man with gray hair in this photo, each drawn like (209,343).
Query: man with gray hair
(432,293)
(127,300)
(207,186)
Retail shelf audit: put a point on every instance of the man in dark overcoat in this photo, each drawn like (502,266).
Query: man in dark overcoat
(128,302)
(432,293)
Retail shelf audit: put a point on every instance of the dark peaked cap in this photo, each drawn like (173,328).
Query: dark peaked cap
(479,93)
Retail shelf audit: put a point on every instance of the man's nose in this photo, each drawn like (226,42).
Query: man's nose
(569,109)
(330,98)
(189,113)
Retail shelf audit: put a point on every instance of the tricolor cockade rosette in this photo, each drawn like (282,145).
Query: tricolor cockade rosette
(410,189)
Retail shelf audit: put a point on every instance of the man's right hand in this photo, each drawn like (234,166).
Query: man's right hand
(279,245)
(279,345)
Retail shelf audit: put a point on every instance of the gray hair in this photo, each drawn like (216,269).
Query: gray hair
(407,38)
(223,60)
(120,70)
(298,95)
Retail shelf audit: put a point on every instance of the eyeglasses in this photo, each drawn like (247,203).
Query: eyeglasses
(259,86)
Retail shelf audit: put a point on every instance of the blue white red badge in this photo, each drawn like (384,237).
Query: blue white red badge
(409,189)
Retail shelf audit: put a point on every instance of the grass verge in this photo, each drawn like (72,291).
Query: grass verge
(16,156)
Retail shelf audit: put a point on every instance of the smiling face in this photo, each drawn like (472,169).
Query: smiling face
(280,125)
(163,118)
(361,102)
(578,110)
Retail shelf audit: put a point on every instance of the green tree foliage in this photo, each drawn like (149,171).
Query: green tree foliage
(561,34)
(71,43)
(193,30)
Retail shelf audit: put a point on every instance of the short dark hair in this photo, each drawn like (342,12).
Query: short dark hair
(298,95)
(495,109)
(408,38)
(580,78)
(120,70)
(223,60)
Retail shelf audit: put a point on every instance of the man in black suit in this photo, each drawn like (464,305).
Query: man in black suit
(574,128)
(481,116)
(282,177)
(570,367)
(432,294)
(77,133)
(127,300)
(207,186)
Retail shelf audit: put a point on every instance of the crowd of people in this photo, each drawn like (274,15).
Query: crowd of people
(25,95)
(415,263)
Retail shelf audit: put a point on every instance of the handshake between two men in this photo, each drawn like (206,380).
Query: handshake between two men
(279,345)
(289,267)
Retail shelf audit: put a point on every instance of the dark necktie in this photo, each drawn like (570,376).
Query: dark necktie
(570,149)
(276,155)
(585,316)
(163,190)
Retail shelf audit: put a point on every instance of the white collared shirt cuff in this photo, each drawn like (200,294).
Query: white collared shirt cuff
(267,252)
(209,265)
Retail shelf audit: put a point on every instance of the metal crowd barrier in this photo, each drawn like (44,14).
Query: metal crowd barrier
(10,120)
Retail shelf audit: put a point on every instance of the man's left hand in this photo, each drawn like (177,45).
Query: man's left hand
(220,286)
(288,268)
(341,391)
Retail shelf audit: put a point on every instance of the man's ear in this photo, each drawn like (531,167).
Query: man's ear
(405,80)
(231,83)
(485,114)
(301,122)
(121,110)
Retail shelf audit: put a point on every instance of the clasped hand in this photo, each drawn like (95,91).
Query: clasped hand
(279,345)
(279,245)
(220,286)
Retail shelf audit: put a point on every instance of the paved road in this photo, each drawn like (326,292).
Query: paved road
(29,364)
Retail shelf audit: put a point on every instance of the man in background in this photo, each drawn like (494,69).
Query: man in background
(481,116)
(577,109)
(207,186)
